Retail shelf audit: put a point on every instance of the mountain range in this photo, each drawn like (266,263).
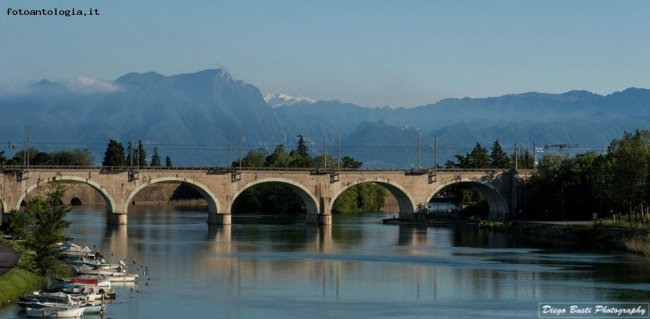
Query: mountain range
(198,119)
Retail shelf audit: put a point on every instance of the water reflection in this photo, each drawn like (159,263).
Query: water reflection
(356,267)
(412,236)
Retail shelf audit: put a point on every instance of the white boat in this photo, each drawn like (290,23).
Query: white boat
(123,277)
(54,312)
(91,292)
(93,308)
(100,269)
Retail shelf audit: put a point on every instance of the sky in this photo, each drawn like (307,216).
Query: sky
(401,53)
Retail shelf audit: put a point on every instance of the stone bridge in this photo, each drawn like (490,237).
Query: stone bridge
(221,186)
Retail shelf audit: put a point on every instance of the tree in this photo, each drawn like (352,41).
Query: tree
(361,198)
(522,158)
(498,158)
(139,155)
(477,158)
(42,225)
(302,146)
(141,158)
(254,158)
(130,154)
(300,157)
(279,157)
(155,158)
(77,157)
(3,159)
(325,161)
(450,164)
(629,157)
(19,157)
(168,161)
(42,158)
(114,155)
(349,162)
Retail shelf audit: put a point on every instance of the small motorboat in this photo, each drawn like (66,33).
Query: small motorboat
(54,312)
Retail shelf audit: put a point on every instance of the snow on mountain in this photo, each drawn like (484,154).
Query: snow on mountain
(280,100)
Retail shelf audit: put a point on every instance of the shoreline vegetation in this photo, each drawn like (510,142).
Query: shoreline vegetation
(622,235)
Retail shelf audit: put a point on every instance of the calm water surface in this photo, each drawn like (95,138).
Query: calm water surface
(270,266)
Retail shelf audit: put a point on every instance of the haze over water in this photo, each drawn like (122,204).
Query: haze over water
(275,266)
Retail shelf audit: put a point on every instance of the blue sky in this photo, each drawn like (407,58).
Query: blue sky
(373,53)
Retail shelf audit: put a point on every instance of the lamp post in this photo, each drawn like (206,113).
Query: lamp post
(562,200)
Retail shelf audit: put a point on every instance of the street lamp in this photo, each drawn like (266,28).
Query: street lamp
(562,200)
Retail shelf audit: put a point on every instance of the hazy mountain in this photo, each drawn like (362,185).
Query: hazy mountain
(194,117)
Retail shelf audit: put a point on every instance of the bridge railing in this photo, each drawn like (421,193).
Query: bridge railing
(272,169)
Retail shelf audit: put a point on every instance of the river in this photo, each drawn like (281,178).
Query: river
(271,266)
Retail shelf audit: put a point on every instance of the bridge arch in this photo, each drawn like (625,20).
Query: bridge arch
(311,203)
(497,204)
(405,201)
(213,203)
(110,203)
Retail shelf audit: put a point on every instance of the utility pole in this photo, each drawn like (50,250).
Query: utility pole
(516,157)
(137,164)
(131,152)
(26,150)
(534,155)
(229,151)
(338,153)
(562,200)
(325,150)
(419,150)
(435,152)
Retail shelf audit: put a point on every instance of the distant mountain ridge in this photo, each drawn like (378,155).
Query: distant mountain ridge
(193,118)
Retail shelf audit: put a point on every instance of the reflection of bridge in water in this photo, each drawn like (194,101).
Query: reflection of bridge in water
(322,253)
(221,186)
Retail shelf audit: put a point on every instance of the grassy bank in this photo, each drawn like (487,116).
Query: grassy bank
(15,283)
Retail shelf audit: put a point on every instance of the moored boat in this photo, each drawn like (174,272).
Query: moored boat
(54,312)
(85,280)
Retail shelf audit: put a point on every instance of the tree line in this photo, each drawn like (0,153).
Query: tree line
(116,155)
(615,184)
(480,157)
(565,187)
(278,197)
(76,157)
(496,157)
(298,157)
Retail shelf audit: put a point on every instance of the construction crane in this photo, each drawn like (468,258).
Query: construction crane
(560,146)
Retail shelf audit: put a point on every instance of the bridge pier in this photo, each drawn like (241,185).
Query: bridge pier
(406,216)
(224,219)
(219,219)
(116,219)
(318,219)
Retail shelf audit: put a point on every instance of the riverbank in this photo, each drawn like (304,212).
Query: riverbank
(630,237)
